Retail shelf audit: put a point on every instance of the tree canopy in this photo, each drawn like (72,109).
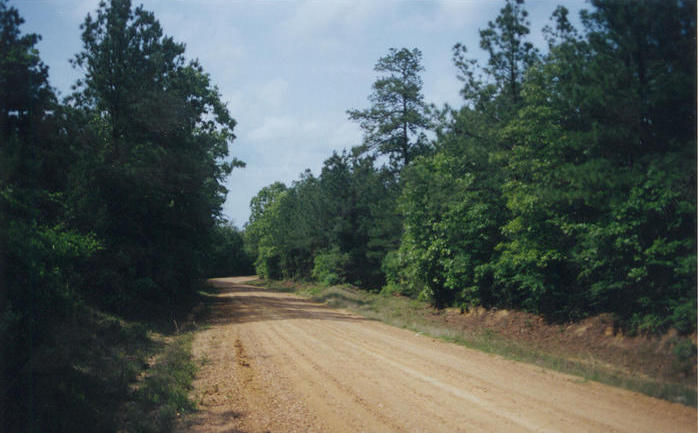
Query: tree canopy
(153,186)
(564,185)
(394,125)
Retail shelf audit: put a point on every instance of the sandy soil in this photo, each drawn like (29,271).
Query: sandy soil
(274,362)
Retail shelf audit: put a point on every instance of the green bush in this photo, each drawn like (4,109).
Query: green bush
(684,357)
(329,267)
(401,278)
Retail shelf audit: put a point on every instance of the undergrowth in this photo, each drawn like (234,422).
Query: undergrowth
(162,395)
(97,372)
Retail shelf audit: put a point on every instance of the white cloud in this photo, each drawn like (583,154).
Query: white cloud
(345,136)
(274,129)
(273,93)
(313,19)
(446,15)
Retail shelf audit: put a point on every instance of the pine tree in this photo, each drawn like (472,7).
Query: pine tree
(394,125)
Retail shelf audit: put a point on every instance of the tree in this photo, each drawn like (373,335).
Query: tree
(150,182)
(42,259)
(336,227)
(260,241)
(228,256)
(601,184)
(498,94)
(452,200)
(395,123)
(510,55)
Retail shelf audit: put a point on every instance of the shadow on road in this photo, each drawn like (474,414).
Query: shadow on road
(237,303)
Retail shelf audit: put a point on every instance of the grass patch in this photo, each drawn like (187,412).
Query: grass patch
(163,393)
(415,315)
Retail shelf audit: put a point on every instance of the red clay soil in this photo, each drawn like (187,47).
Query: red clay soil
(593,338)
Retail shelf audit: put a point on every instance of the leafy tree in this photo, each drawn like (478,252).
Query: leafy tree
(41,259)
(228,256)
(336,227)
(368,225)
(564,186)
(649,231)
(497,95)
(452,201)
(150,180)
(395,123)
(452,212)
(600,222)
(118,194)
(260,230)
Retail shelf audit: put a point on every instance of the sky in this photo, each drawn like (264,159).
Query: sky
(289,70)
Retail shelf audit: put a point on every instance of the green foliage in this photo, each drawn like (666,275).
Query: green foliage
(228,256)
(600,214)
(509,54)
(329,267)
(76,375)
(42,260)
(110,199)
(25,92)
(149,181)
(263,230)
(564,186)
(347,215)
(164,393)
(561,187)
(401,276)
(395,123)
(451,226)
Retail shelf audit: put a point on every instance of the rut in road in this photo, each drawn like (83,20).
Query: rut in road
(274,362)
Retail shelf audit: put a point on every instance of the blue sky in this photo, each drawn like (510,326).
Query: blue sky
(289,70)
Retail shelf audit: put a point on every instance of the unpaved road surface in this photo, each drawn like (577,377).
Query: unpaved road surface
(274,362)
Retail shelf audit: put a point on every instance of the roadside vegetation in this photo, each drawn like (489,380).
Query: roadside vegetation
(161,396)
(653,366)
(110,202)
(564,186)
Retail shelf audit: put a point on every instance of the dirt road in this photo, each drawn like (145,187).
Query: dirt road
(275,362)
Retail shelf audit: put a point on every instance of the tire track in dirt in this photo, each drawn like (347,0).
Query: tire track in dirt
(479,389)
(421,415)
(572,403)
(392,372)
(476,393)
(279,363)
(366,412)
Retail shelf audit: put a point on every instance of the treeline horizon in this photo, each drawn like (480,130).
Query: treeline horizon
(565,184)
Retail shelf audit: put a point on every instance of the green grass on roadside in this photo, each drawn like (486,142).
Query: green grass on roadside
(98,372)
(163,393)
(409,314)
